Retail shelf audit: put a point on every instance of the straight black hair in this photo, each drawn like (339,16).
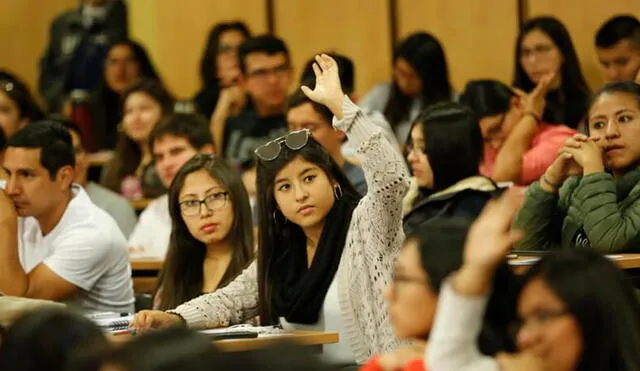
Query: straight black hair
(618,28)
(267,44)
(602,300)
(181,278)
(52,139)
(275,234)
(453,142)
(208,64)
(487,97)
(426,56)
(573,99)
(191,126)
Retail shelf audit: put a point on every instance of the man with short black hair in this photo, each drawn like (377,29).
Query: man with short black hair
(618,48)
(66,248)
(252,112)
(173,141)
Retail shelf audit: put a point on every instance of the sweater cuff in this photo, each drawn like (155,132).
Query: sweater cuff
(536,192)
(191,315)
(352,122)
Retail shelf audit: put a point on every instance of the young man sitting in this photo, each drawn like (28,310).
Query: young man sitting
(57,245)
(175,139)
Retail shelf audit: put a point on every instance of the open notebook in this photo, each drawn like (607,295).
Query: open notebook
(111,322)
(242,331)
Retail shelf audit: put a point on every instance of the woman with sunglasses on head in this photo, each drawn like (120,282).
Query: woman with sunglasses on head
(589,196)
(518,147)
(212,229)
(325,255)
(576,309)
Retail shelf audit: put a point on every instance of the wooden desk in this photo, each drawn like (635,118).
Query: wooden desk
(140,204)
(623,261)
(99,159)
(146,264)
(145,274)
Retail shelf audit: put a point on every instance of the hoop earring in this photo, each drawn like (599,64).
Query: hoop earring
(337,191)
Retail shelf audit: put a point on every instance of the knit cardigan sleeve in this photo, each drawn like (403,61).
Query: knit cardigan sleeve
(233,304)
(374,238)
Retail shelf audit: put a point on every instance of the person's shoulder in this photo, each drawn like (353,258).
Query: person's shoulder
(156,208)
(102,195)
(65,18)
(557,129)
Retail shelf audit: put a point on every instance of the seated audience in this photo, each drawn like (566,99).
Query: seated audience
(347,78)
(131,171)
(444,153)
(127,62)
(303,113)
(420,79)
(543,48)
(75,53)
(517,148)
(252,112)
(219,67)
(589,196)
(176,139)
(48,339)
(325,254)
(17,105)
(577,310)
(217,237)
(58,245)
(427,258)
(618,48)
(114,204)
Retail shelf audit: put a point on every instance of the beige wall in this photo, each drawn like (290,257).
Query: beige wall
(478,36)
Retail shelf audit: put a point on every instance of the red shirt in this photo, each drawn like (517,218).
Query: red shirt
(413,365)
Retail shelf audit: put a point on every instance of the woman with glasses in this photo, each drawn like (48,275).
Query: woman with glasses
(576,309)
(428,257)
(212,239)
(544,48)
(17,105)
(518,147)
(325,254)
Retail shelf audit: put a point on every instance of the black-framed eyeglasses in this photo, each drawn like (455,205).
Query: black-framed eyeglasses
(294,140)
(263,73)
(213,202)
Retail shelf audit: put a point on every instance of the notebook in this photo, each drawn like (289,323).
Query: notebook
(242,331)
(111,322)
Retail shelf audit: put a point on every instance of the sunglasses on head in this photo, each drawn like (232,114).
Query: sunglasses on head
(294,140)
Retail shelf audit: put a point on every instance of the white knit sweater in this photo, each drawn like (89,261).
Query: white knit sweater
(372,245)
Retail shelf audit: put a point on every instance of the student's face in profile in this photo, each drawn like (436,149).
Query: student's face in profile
(303,193)
(540,56)
(120,68)
(212,222)
(548,331)
(412,303)
(496,128)
(228,70)
(417,158)
(268,78)
(31,189)
(614,123)
(170,152)
(141,114)
(305,116)
(620,62)
(82,165)
(407,78)
(10,119)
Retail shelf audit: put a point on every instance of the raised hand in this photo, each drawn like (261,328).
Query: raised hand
(328,90)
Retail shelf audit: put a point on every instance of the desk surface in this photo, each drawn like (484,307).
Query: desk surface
(99,158)
(146,264)
(623,261)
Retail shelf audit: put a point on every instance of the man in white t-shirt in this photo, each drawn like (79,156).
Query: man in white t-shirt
(66,248)
(174,140)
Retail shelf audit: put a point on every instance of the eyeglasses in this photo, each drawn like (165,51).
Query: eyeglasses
(226,48)
(213,202)
(540,318)
(262,74)
(399,279)
(538,51)
(295,140)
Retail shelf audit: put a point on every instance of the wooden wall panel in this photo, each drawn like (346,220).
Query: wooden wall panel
(478,36)
(359,29)
(175,33)
(583,21)
(24,33)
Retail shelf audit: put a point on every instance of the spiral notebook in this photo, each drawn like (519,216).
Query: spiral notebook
(112,322)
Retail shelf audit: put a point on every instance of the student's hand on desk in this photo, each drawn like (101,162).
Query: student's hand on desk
(328,90)
(149,319)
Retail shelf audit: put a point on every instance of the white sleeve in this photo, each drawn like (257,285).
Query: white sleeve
(141,237)
(453,342)
(80,256)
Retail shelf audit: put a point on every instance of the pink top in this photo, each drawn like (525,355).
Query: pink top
(543,151)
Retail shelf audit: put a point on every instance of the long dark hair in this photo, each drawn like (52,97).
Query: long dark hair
(275,234)
(128,154)
(602,299)
(20,94)
(208,64)
(571,102)
(487,97)
(181,278)
(425,55)
(441,244)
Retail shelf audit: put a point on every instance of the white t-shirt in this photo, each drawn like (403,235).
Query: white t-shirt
(85,248)
(153,230)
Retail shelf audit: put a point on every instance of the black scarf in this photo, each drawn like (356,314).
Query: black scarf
(298,290)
